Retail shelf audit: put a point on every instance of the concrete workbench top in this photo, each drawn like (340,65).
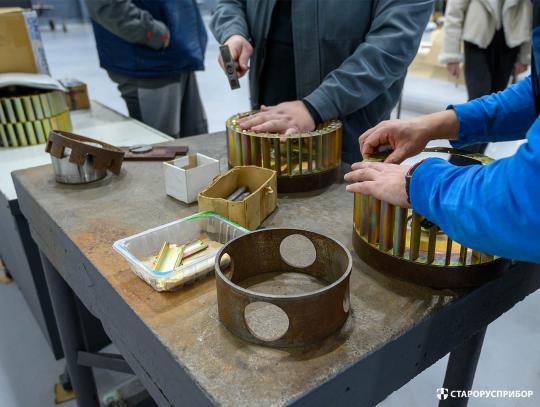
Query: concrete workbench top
(99,122)
(228,370)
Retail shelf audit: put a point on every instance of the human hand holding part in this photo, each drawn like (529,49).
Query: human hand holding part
(408,137)
(241,51)
(519,68)
(383,181)
(453,69)
(287,117)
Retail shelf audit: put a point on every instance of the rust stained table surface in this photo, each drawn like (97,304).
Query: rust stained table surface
(179,347)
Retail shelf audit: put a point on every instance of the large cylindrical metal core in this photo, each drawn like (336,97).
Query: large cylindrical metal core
(404,244)
(303,161)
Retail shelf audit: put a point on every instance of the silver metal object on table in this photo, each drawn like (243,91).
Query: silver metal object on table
(67,172)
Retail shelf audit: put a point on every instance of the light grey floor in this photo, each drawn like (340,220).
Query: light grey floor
(511,356)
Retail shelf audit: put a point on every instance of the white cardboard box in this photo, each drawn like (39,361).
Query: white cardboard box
(186,176)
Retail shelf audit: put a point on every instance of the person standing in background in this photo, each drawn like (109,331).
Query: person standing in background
(314,60)
(151,50)
(496,35)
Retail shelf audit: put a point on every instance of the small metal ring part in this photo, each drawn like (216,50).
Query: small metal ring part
(402,243)
(310,316)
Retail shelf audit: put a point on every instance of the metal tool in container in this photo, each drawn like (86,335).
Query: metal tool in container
(402,243)
(79,160)
(171,256)
(303,161)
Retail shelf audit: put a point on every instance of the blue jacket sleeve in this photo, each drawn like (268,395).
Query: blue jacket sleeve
(502,116)
(493,208)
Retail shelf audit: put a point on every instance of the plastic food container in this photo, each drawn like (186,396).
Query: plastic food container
(139,249)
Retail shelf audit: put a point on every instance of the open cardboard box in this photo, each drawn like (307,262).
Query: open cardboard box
(250,212)
(186,176)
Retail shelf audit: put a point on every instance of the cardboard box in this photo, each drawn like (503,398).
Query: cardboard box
(253,210)
(186,176)
(77,94)
(21,49)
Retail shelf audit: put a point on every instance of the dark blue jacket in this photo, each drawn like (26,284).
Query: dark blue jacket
(187,45)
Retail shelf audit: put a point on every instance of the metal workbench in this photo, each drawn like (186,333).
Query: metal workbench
(174,341)
(17,249)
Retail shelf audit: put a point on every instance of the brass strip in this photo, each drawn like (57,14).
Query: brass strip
(310,154)
(463,255)
(277,155)
(238,149)
(431,243)
(448,258)
(266,153)
(374,220)
(364,215)
(400,231)
(289,156)
(300,160)
(386,226)
(416,231)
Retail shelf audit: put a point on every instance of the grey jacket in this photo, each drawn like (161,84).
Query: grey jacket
(129,22)
(351,56)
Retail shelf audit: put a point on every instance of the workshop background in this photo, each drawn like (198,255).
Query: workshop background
(28,371)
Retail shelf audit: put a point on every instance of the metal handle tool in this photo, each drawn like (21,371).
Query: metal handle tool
(230,68)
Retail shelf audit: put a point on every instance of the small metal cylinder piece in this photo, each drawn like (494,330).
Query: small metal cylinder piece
(277,155)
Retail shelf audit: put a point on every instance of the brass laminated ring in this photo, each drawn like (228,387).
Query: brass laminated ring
(27,119)
(303,161)
(403,244)
(311,316)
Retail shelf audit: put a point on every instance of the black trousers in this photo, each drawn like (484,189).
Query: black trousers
(488,70)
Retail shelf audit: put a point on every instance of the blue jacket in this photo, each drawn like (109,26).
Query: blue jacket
(127,36)
(493,208)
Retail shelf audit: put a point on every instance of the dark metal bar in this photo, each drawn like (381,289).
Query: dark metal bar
(461,369)
(64,307)
(102,360)
(448,257)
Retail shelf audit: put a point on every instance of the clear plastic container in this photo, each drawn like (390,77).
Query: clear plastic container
(140,248)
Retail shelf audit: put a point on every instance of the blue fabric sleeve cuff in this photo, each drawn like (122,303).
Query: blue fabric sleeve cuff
(421,187)
(471,124)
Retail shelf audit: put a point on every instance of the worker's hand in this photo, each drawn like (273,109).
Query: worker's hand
(519,68)
(380,180)
(453,69)
(287,117)
(241,51)
(405,137)
(409,137)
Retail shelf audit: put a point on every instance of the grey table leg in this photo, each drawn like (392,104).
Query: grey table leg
(67,319)
(461,369)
